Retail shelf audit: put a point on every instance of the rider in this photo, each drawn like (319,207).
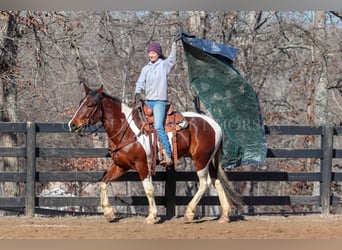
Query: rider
(153,81)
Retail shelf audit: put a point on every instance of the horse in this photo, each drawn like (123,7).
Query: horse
(201,140)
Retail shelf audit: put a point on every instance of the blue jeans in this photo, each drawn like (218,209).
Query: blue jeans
(159,109)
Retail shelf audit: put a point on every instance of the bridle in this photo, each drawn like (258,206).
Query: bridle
(92,114)
(122,130)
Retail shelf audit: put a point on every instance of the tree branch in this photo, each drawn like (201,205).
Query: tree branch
(337,13)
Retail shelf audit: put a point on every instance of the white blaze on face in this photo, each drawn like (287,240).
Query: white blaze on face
(79,107)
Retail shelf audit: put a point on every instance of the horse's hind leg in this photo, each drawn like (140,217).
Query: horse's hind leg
(149,191)
(225,206)
(203,186)
(217,174)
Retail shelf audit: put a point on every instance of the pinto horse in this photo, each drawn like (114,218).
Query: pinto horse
(201,140)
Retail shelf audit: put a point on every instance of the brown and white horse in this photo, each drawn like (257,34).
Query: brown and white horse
(201,140)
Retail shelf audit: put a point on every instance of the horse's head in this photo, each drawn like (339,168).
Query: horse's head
(89,111)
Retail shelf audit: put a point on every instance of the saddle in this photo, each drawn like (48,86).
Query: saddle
(174,121)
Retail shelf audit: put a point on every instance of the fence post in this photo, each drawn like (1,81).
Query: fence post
(31,169)
(170,192)
(326,167)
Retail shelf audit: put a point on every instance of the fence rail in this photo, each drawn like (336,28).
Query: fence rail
(170,200)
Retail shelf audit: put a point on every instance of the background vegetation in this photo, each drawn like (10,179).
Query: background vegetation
(292,59)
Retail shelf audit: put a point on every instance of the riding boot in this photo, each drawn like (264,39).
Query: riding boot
(167,162)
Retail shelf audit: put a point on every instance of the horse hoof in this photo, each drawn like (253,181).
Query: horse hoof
(150,221)
(189,217)
(223,219)
(110,216)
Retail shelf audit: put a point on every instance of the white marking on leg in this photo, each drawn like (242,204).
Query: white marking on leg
(149,190)
(107,209)
(225,206)
(203,181)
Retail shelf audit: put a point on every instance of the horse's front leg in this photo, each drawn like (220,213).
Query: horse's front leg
(152,217)
(112,174)
(108,211)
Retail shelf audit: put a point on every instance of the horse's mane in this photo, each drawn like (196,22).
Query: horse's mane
(114,98)
(98,97)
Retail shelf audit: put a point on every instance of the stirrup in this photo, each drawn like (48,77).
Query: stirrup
(167,162)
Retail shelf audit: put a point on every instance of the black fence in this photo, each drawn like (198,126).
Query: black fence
(30,203)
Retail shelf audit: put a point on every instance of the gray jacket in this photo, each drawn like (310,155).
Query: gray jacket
(153,77)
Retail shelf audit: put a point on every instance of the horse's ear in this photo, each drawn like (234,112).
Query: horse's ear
(100,90)
(86,88)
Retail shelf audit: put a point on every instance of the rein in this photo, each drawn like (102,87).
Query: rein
(122,144)
(123,129)
(86,124)
(92,131)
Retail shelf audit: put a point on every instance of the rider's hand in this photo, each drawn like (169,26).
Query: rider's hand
(177,36)
(137,97)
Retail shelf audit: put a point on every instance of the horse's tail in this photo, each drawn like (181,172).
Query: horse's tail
(231,193)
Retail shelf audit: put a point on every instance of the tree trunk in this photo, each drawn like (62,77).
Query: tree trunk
(197,21)
(320,61)
(320,95)
(8,97)
(246,41)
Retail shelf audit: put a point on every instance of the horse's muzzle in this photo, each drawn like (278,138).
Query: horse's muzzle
(73,127)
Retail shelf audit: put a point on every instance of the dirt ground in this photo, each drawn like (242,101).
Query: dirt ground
(253,227)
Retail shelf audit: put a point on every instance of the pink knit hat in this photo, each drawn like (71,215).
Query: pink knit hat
(155,47)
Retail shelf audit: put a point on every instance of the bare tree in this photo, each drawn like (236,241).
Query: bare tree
(197,23)
(292,59)
(8,95)
(320,62)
